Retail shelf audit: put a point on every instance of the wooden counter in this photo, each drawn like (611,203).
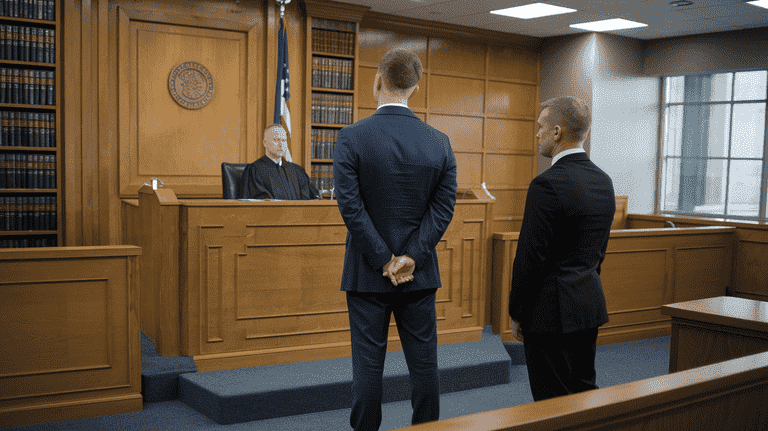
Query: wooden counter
(69,333)
(643,270)
(236,284)
(712,330)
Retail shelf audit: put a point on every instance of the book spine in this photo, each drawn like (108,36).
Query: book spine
(51,99)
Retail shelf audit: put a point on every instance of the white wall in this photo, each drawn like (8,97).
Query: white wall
(605,71)
(625,120)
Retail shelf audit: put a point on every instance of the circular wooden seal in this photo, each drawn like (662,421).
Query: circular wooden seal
(191,85)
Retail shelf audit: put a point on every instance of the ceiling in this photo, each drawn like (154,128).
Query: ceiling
(663,19)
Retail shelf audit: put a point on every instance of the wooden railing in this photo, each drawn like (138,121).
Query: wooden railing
(729,395)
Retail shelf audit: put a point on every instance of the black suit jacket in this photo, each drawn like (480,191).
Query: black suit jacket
(395,179)
(556,284)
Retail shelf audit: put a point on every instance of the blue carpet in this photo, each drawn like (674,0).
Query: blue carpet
(616,364)
(160,375)
(257,393)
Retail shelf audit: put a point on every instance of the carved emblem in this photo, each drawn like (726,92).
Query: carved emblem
(191,85)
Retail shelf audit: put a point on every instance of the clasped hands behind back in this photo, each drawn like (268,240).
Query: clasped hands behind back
(399,269)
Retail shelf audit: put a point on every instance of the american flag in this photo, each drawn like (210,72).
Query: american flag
(282,88)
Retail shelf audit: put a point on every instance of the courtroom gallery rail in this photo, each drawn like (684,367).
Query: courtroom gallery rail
(729,395)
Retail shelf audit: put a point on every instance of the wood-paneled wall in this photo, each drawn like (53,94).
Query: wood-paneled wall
(122,128)
(482,95)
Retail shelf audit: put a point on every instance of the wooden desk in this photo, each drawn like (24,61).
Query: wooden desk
(237,284)
(69,333)
(712,330)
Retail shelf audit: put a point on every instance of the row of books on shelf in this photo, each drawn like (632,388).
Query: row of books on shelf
(22,43)
(332,24)
(27,171)
(19,213)
(30,9)
(322,177)
(27,129)
(28,242)
(28,87)
(332,73)
(323,143)
(333,42)
(331,108)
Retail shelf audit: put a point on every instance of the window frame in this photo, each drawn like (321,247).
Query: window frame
(663,158)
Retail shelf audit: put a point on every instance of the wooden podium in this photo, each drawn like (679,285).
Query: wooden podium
(236,284)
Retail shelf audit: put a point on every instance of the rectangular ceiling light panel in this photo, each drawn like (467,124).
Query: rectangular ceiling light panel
(608,25)
(533,10)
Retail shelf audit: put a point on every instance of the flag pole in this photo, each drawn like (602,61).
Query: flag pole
(282,6)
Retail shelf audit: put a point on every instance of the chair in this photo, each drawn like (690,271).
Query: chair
(231,174)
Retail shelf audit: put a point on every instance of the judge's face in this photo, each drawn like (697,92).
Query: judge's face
(275,142)
(545,134)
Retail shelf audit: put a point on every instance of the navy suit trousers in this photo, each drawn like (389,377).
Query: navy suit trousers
(415,316)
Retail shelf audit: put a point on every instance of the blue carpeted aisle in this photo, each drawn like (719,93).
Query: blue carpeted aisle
(616,364)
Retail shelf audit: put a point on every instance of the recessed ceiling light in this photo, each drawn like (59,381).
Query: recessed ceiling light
(760,3)
(608,25)
(533,10)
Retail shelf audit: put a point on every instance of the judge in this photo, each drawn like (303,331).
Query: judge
(271,177)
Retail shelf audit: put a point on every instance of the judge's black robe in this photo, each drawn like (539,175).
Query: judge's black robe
(265,179)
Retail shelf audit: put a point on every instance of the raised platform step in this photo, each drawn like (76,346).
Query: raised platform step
(160,374)
(250,394)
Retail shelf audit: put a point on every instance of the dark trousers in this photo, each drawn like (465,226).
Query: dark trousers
(560,364)
(369,316)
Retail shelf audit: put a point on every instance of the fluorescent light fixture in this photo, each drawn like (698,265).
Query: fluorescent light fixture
(533,10)
(608,25)
(759,3)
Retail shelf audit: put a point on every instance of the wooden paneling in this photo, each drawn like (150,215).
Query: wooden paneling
(515,136)
(731,395)
(465,133)
(69,336)
(184,147)
(707,331)
(257,283)
(643,270)
(456,57)
(512,100)
(750,264)
(510,63)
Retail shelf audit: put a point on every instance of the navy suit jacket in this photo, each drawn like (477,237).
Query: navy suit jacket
(395,180)
(556,284)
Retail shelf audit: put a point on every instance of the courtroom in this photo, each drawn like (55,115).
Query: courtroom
(425,215)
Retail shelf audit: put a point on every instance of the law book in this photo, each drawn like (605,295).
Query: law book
(2,214)
(24,97)
(2,170)
(11,213)
(33,45)
(3,40)
(3,85)
(54,214)
(4,127)
(52,46)
(25,38)
(52,171)
(51,99)
(22,127)
(15,86)
(36,130)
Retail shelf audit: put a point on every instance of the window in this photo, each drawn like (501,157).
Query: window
(714,159)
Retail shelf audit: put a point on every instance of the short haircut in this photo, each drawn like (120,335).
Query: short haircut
(571,114)
(400,69)
(272,126)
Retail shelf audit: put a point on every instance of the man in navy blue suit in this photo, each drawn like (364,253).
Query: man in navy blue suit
(395,180)
(556,301)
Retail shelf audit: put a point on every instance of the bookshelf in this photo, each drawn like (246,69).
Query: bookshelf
(332,82)
(30,124)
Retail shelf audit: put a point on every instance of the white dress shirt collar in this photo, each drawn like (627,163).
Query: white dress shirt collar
(402,105)
(562,154)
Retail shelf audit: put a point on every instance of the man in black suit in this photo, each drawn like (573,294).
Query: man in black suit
(272,178)
(556,301)
(395,182)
